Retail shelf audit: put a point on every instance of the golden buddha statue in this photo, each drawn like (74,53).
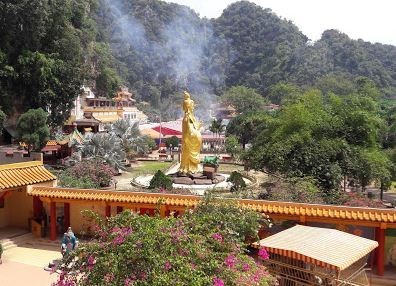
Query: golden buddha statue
(191,138)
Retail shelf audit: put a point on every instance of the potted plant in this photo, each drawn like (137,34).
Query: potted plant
(211,161)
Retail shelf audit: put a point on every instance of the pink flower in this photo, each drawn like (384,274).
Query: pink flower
(91,260)
(167,265)
(109,277)
(263,254)
(128,282)
(246,267)
(217,236)
(143,276)
(118,240)
(230,261)
(217,281)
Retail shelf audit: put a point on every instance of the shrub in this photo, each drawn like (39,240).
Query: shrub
(1,250)
(67,180)
(356,199)
(204,247)
(237,181)
(99,173)
(300,190)
(160,181)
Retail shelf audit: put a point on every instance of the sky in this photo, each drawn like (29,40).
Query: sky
(370,20)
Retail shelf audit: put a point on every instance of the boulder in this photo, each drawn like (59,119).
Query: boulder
(219,178)
(183,180)
(195,175)
(202,182)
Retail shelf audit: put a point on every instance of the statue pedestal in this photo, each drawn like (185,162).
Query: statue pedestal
(207,177)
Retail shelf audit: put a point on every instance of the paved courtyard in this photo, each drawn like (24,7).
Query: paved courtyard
(24,266)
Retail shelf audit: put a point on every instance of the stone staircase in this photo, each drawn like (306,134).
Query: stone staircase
(19,240)
(45,242)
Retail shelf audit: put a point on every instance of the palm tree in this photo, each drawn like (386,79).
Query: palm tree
(217,127)
(131,140)
(104,147)
(122,140)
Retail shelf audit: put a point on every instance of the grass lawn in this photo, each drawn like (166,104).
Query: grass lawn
(228,168)
(148,167)
(392,189)
(141,168)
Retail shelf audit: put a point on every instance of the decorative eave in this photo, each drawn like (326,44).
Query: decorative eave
(114,196)
(284,210)
(318,212)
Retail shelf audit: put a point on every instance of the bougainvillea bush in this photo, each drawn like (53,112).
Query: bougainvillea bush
(87,174)
(205,246)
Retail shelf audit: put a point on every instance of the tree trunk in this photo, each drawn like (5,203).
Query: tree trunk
(382,191)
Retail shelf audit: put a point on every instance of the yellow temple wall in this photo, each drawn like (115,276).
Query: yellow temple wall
(4,214)
(77,221)
(19,207)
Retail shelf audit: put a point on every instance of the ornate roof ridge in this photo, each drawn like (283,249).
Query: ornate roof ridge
(20,165)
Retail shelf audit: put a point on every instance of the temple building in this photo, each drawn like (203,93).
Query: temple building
(30,199)
(91,113)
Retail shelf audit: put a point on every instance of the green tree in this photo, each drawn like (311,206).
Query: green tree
(232,146)
(372,165)
(326,138)
(217,127)
(2,120)
(244,99)
(283,91)
(247,126)
(33,129)
(47,51)
(172,142)
(336,83)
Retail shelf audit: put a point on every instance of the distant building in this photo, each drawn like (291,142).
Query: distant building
(91,113)
(126,103)
(222,111)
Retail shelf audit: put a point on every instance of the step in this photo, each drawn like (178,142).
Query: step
(16,241)
(44,242)
(8,244)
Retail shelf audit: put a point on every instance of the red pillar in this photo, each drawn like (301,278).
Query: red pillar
(380,236)
(66,214)
(108,211)
(53,220)
(120,209)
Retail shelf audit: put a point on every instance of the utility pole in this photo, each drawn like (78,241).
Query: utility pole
(160,135)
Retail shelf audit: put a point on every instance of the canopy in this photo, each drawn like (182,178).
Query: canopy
(150,132)
(167,131)
(321,246)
